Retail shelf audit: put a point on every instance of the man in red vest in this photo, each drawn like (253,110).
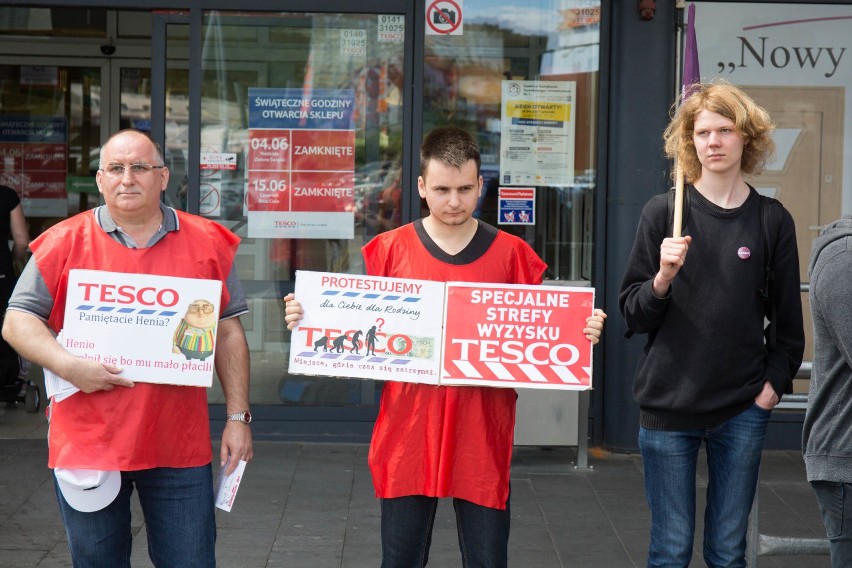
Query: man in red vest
(115,435)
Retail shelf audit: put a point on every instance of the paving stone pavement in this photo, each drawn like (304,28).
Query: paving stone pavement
(311,505)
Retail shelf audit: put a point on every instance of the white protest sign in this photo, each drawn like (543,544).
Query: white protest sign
(453,333)
(368,327)
(159,329)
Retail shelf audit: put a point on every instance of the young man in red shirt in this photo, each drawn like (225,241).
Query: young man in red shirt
(431,442)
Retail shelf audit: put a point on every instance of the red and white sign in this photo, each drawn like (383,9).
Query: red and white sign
(517,336)
(218,161)
(301,162)
(323,191)
(34,155)
(497,335)
(323,150)
(37,171)
(444,17)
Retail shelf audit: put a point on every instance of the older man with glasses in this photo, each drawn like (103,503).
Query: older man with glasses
(155,438)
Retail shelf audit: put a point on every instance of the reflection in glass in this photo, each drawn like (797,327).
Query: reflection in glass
(243,51)
(545,40)
(39,165)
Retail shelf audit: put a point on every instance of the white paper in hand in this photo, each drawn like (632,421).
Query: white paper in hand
(228,485)
(56,387)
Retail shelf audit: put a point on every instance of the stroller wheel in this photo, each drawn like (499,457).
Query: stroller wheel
(32,400)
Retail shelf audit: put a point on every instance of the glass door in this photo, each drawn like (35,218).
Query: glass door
(50,132)
(300,153)
(55,115)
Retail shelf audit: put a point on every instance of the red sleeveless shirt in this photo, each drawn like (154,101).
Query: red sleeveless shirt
(149,425)
(446,441)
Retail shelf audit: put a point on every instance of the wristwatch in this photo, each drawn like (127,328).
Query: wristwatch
(244,417)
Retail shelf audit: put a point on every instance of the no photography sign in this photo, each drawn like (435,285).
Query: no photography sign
(444,17)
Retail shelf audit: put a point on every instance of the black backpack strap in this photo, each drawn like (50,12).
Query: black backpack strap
(770,221)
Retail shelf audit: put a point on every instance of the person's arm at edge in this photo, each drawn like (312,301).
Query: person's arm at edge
(644,309)
(232,367)
(20,235)
(830,300)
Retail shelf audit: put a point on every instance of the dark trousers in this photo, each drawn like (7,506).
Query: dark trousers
(407,532)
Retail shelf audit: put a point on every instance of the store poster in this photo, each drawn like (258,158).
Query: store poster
(212,186)
(427,332)
(301,164)
(34,151)
(516,206)
(158,329)
(537,133)
(368,327)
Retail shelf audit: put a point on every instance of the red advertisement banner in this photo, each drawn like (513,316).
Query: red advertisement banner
(44,185)
(46,156)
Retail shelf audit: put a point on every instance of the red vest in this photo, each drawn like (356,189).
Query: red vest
(149,425)
(446,441)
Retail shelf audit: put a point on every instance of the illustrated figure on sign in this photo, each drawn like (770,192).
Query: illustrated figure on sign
(196,333)
(337,344)
(371,340)
(356,342)
(321,342)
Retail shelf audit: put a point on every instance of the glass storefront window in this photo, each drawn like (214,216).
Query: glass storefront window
(134,24)
(464,84)
(54,22)
(51,117)
(347,59)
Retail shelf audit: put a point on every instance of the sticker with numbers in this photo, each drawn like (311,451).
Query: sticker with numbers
(391,28)
(353,42)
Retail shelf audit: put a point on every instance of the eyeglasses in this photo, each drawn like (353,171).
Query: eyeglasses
(204,308)
(117,170)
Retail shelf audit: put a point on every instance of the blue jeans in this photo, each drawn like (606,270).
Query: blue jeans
(733,459)
(407,532)
(179,516)
(835,503)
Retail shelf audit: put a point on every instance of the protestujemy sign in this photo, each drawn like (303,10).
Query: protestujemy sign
(451,333)
(368,327)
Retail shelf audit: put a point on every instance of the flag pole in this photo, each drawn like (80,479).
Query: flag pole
(677,219)
(690,77)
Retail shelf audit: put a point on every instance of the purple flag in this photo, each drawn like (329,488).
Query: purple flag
(691,75)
